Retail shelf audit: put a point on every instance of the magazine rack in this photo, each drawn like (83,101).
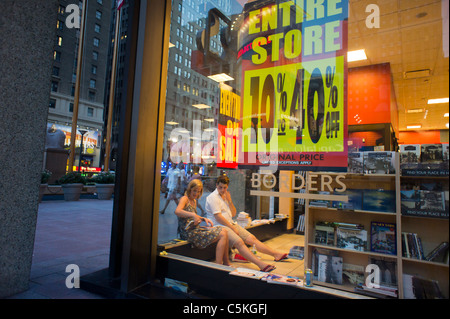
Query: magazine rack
(343,238)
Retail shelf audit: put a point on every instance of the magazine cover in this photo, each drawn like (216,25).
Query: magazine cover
(382,238)
(330,269)
(284,280)
(249,273)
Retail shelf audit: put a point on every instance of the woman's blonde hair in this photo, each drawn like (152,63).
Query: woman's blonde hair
(194,183)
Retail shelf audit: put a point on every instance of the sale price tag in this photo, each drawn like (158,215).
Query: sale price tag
(295,108)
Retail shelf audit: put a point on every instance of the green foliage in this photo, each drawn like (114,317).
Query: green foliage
(104,178)
(71,178)
(45,176)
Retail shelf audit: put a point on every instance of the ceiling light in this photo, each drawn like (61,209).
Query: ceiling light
(221,77)
(437,101)
(413,126)
(172,123)
(171,45)
(356,55)
(446,115)
(201,106)
(209,120)
(446,125)
(414,111)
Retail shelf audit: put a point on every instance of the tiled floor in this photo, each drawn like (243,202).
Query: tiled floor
(291,267)
(68,233)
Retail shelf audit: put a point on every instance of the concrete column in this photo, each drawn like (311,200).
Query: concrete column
(27,36)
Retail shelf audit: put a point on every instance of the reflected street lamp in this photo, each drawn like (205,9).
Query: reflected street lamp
(82,132)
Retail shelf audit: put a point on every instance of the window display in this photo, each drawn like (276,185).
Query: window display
(275,124)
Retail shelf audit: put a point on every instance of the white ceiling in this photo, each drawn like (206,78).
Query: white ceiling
(410,38)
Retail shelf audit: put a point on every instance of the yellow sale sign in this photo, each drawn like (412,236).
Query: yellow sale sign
(293,87)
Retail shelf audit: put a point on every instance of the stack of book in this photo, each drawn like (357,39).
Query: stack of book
(415,287)
(379,291)
(412,246)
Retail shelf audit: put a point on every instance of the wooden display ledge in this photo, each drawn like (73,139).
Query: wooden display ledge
(209,280)
(262,232)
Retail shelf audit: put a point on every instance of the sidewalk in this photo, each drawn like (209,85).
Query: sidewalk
(68,233)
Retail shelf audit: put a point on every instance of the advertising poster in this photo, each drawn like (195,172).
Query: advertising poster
(229,128)
(293,64)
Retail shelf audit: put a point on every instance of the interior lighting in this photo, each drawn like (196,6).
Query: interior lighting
(201,106)
(409,127)
(415,111)
(221,77)
(356,55)
(446,115)
(437,101)
(172,123)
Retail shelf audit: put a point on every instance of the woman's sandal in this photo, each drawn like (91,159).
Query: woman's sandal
(285,256)
(268,268)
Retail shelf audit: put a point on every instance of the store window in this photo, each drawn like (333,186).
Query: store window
(321,116)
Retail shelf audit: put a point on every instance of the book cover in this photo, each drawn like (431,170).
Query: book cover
(432,200)
(353,274)
(284,280)
(319,202)
(388,270)
(355,200)
(439,253)
(353,239)
(431,153)
(415,287)
(379,200)
(324,234)
(445,156)
(382,238)
(409,153)
(379,162)
(410,199)
(330,269)
(356,162)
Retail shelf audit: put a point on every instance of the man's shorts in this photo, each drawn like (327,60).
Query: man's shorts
(233,237)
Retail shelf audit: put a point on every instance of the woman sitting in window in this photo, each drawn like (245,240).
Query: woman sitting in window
(189,224)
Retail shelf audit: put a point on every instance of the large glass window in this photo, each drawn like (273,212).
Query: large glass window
(298,102)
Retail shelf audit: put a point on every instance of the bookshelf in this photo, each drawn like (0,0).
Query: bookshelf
(431,230)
